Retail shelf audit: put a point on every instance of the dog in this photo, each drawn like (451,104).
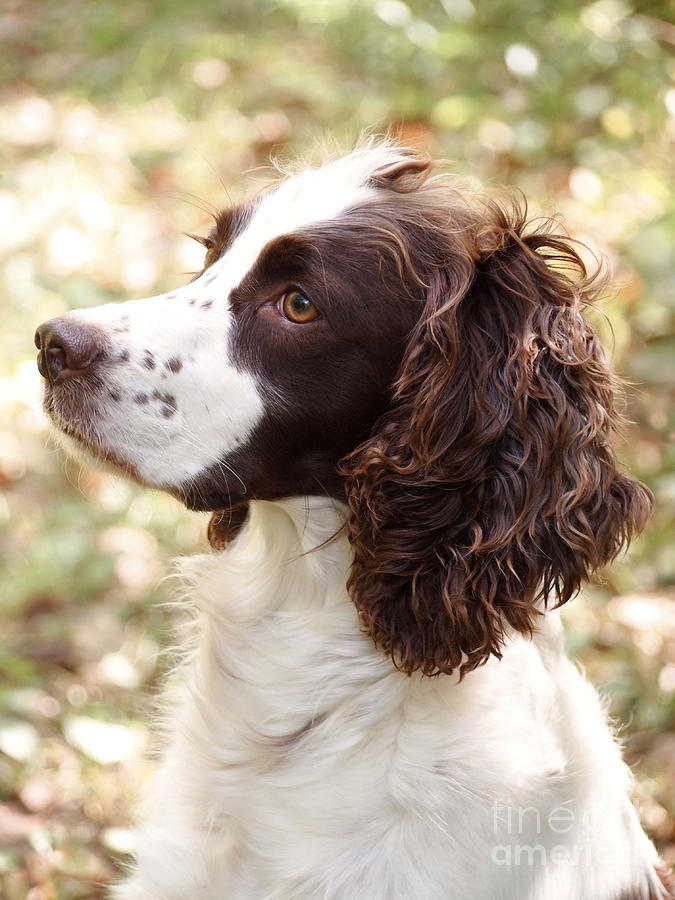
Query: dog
(388,396)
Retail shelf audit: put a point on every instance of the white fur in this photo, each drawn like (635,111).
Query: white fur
(217,405)
(302,765)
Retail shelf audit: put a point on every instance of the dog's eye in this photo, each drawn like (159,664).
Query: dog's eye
(298,308)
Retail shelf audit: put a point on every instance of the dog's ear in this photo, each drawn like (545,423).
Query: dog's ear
(405,175)
(490,489)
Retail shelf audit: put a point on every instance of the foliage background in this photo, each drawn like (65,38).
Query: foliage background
(121,122)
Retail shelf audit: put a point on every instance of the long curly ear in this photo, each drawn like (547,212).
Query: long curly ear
(490,489)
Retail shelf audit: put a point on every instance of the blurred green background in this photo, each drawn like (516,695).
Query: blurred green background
(121,124)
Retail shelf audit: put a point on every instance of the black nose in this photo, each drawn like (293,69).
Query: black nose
(67,348)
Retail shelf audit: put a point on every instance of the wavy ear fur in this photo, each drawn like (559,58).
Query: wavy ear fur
(490,489)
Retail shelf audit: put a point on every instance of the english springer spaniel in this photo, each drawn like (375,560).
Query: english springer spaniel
(388,396)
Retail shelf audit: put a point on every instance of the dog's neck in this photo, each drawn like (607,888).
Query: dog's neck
(276,634)
(289,555)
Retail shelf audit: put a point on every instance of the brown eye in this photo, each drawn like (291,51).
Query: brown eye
(298,308)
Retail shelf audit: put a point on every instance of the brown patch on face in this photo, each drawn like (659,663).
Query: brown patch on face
(140,397)
(333,373)
(148,361)
(114,395)
(207,304)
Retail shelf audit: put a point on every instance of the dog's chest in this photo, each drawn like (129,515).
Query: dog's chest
(313,768)
(309,739)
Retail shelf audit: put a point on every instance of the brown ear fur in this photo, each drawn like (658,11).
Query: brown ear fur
(405,175)
(490,489)
(225,525)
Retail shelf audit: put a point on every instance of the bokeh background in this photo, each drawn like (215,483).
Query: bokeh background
(122,122)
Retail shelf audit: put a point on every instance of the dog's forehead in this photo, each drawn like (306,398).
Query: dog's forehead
(300,200)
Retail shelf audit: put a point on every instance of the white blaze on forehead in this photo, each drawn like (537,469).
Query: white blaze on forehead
(304,199)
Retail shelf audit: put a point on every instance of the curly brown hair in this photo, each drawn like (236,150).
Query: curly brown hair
(489,490)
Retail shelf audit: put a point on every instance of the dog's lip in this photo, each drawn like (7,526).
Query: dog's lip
(70,431)
(99,452)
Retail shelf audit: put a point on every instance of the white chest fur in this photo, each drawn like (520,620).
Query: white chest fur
(302,765)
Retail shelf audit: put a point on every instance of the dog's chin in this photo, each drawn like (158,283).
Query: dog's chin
(72,432)
(93,455)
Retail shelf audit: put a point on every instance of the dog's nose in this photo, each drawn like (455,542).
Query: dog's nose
(67,348)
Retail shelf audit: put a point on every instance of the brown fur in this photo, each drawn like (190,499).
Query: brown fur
(488,488)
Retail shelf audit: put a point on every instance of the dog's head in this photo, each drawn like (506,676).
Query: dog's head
(364,331)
